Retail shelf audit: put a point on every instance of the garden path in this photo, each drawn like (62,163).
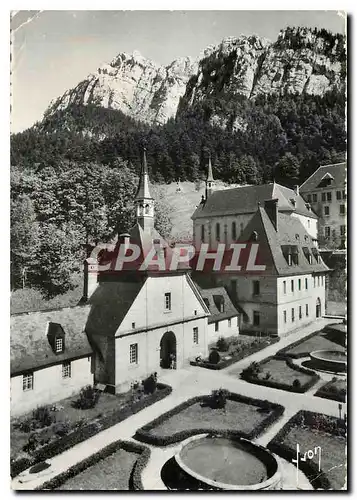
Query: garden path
(188,383)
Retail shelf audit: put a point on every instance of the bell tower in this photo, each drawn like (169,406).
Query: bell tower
(209,181)
(143,200)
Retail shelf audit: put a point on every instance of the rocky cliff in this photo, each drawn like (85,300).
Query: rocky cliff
(300,61)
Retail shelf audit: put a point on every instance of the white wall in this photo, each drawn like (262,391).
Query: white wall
(49,386)
(224,329)
(309,223)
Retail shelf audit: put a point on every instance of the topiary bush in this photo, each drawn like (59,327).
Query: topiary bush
(150,384)
(214,357)
(296,383)
(218,398)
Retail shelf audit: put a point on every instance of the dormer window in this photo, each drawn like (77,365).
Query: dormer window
(59,345)
(290,260)
(219,301)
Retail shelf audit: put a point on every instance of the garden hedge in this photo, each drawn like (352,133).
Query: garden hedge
(62,444)
(227,362)
(281,385)
(143,434)
(76,469)
(309,468)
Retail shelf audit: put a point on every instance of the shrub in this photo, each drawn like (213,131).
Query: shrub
(222,344)
(150,384)
(31,444)
(43,416)
(296,383)
(88,398)
(267,376)
(214,357)
(218,398)
(252,370)
(62,428)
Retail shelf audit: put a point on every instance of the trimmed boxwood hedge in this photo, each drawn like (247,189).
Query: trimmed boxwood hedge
(309,468)
(143,434)
(135,478)
(60,445)
(227,362)
(281,385)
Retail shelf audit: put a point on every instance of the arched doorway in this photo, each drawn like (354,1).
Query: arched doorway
(168,350)
(318,308)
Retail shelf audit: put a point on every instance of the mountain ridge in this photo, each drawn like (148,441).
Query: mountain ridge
(300,60)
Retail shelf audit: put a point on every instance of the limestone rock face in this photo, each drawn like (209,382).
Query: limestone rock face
(134,85)
(300,61)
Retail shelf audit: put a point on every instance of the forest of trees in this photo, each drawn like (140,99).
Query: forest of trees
(73,176)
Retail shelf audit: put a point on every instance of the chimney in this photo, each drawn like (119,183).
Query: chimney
(90,272)
(124,239)
(271,208)
(296,189)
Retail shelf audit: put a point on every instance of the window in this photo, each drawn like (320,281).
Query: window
(329,196)
(309,198)
(338,195)
(307,309)
(241,227)
(27,382)
(318,281)
(284,316)
(234,231)
(66,370)
(59,345)
(229,322)
(202,233)
(195,335)
(300,312)
(306,282)
(327,211)
(195,312)
(323,197)
(293,315)
(256,288)
(168,301)
(314,197)
(133,326)
(289,259)
(309,258)
(327,231)
(256,318)
(299,284)
(147,209)
(133,354)
(342,210)
(314,281)
(342,230)
(284,287)
(322,281)
(216,326)
(292,286)
(218,231)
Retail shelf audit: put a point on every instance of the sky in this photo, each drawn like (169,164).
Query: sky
(52,51)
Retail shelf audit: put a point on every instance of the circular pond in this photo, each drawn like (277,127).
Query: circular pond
(228,463)
(335,361)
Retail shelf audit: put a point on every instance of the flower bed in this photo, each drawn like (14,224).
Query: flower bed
(134,478)
(335,389)
(245,351)
(326,339)
(75,436)
(280,374)
(311,430)
(243,416)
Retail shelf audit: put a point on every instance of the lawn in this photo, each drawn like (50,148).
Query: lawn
(334,341)
(335,389)
(111,473)
(280,372)
(333,454)
(236,416)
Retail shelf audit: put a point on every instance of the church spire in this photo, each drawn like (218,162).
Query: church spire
(143,199)
(210,179)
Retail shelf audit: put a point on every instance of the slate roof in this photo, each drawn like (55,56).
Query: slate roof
(245,199)
(29,346)
(290,233)
(209,295)
(338,171)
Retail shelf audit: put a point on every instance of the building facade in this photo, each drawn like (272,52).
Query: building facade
(325,190)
